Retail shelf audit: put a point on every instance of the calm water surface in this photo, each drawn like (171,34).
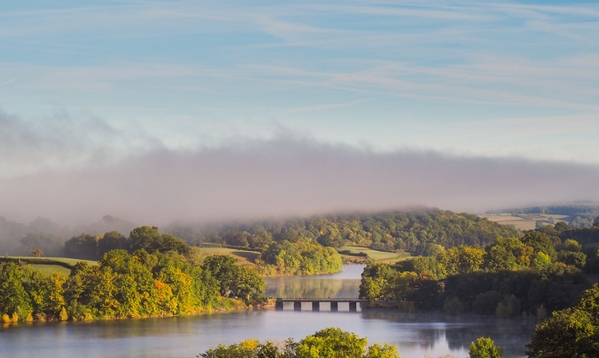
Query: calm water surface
(416,335)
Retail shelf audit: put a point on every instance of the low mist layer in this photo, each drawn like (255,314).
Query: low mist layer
(286,176)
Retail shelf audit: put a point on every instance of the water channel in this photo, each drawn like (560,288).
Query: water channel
(416,335)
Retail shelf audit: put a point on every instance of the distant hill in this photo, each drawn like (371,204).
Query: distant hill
(412,230)
(106,224)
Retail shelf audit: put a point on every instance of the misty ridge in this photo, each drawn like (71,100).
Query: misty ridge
(74,172)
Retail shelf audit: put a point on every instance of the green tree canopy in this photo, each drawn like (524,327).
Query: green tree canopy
(572,332)
(484,348)
(326,343)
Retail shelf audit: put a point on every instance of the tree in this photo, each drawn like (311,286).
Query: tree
(112,240)
(508,254)
(562,226)
(248,285)
(540,260)
(236,238)
(578,259)
(336,343)
(572,332)
(83,246)
(169,242)
(571,245)
(145,237)
(37,252)
(223,269)
(14,299)
(540,243)
(326,343)
(461,259)
(484,348)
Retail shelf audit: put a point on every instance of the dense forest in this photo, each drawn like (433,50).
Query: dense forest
(127,285)
(415,231)
(284,258)
(301,258)
(290,247)
(533,275)
(412,231)
(145,274)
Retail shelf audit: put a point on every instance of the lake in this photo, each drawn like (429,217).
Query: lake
(416,335)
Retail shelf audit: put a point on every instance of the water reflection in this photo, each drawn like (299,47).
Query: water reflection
(343,285)
(437,332)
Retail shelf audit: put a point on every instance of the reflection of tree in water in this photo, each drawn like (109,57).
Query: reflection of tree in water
(426,327)
(429,336)
(510,334)
(290,287)
(399,316)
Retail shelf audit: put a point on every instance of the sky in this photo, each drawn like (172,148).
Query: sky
(211,109)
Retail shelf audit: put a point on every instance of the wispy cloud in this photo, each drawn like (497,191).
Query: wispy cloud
(7,82)
(325,106)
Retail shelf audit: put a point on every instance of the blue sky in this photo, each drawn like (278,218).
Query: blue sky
(91,82)
(474,78)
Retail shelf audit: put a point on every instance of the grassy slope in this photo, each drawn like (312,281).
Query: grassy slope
(48,270)
(244,257)
(66,260)
(50,267)
(380,256)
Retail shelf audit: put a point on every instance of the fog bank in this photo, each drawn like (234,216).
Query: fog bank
(286,176)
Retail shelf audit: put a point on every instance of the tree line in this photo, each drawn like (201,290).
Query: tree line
(412,230)
(154,277)
(277,258)
(299,258)
(534,275)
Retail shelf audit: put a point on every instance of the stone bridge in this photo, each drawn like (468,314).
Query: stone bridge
(297,303)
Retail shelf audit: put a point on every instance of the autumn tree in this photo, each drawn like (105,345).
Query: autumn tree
(13,296)
(508,254)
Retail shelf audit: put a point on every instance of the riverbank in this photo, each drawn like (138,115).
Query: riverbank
(232,306)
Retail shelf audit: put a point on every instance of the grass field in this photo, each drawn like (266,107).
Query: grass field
(66,260)
(51,266)
(525,221)
(48,270)
(244,257)
(381,256)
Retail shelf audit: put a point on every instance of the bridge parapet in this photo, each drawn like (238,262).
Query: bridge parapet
(334,302)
